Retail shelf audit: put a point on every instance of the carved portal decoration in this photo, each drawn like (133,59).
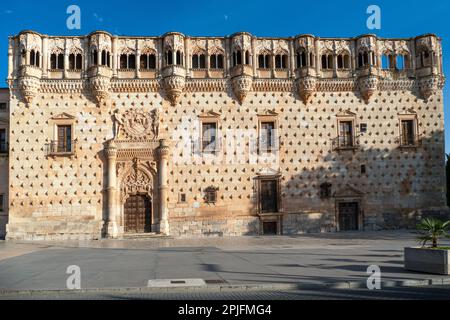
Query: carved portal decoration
(137,125)
(136,178)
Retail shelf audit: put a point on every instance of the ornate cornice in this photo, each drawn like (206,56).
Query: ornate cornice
(31,86)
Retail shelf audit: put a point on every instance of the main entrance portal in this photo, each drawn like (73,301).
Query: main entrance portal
(138,214)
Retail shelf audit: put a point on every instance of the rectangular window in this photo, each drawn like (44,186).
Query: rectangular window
(182,197)
(363,127)
(2,202)
(3,142)
(407,133)
(267,136)
(211,195)
(346,134)
(363,169)
(209,137)
(64,143)
(3,106)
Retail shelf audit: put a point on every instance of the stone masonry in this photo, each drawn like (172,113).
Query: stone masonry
(107,134)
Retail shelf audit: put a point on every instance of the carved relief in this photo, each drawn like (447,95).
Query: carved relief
(137,179)
(100,87)
(174,86)
(367,86)
(137,125)
(306,87)
(241,86)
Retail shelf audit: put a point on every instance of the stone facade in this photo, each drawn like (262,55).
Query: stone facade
(100,125)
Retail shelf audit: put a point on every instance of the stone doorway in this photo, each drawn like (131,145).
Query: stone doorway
(348,216)
(138,214)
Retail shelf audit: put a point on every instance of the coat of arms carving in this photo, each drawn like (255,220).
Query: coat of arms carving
(137,124)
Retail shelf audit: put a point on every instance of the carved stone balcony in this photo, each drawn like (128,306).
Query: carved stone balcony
(430,85)
(100,82)
(242,80)
(368,84)
(306,86)
(174,81)
(29,82)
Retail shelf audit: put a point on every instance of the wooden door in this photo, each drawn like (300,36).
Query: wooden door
(269,196)
(348,216)
(138,214)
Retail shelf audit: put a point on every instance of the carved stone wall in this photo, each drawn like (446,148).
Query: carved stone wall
(66,197)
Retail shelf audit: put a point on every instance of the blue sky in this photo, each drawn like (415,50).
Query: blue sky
(344,18)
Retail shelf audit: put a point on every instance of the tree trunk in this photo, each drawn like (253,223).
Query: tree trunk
(434,243)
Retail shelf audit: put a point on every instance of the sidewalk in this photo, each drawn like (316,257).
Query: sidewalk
(338,260)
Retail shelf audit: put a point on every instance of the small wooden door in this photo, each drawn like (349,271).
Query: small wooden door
(348,216)
(138,214)
(269,196)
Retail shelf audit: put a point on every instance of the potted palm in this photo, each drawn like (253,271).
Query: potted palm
(434,258)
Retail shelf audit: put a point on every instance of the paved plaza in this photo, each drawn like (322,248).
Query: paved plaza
(313,259)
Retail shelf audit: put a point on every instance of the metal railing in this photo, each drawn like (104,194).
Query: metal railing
(61,148)
(409,140)
(345,142)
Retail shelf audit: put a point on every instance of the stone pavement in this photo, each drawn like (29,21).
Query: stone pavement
(313,259)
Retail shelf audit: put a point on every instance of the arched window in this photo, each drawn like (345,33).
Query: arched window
(237,58)
(34,58)
(216,61)
(148,61)
(343,61)
(403,61)
(388,61)
(179,58)
(301,60)
(312,61)
(94,57)
(56,61)
(106,58)
(363,59)
(327,61)
(198,61)
(169,57)
(264,61)
(75,61)
(280,61)
(127,61)
(247,57)
(424,58)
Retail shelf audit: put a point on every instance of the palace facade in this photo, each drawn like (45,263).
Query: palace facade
(112,136)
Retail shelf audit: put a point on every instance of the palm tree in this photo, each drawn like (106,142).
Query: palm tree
(431,229)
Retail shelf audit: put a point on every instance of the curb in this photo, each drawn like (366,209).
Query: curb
(237,287)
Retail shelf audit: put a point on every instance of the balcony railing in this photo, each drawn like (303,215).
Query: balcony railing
(57,148)
(200,147)
(4,148)
(409,141)
(346,142)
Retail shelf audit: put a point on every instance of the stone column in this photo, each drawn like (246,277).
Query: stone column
(163,155)
(111,189)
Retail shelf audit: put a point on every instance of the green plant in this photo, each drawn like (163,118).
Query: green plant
(431,229)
